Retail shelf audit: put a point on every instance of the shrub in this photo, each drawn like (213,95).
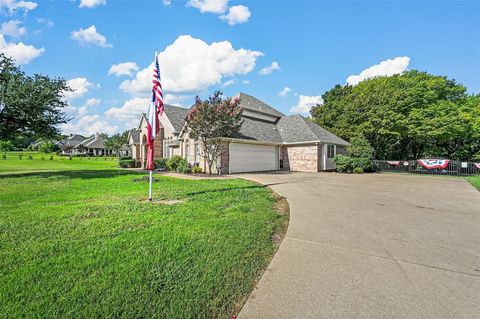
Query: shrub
(30,157)
(357,170)
(130,163)
(361,162)
(342,163)
(20,156)
(43,158)
(160,164)
(51,157)
(69,158)
(184,167)
(173,162)
(196,169)
(4,156)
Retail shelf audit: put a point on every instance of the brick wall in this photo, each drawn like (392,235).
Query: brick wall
(225,159)
(301,158)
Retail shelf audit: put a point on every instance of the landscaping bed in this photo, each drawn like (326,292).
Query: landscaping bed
(79,240)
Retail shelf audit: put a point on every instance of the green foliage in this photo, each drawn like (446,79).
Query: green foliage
(358,170)
(127,163)
(30,157)
(196,169)
(4,156)
(6,146)
(47,146)
(51,157)
(31,106)
(212,119)
(359,156)
(117,141)
(173,162)
(160,163)
(20,156)
(405,116)
(184,167)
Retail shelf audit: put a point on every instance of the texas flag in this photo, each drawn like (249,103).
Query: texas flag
(154,111)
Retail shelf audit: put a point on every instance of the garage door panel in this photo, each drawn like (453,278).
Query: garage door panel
(252,158)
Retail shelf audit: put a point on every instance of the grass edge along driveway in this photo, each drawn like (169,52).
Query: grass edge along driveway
(82,242)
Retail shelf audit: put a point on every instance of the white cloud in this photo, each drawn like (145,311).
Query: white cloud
(246,82)
(88,125)
(20,52)
(90,36)
(14,5)
(82,110)
(236,15)
(125,68)
(269,69)
(91,3)
(79,86)
(12,28)
(386,68)
(305,103)
(46,22)
(212,6)
(130,110)
(192,65)
(167,2)
(229,83)
(285,91)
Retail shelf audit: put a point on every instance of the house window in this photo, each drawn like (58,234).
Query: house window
(330,151)
(197,153)
(187,149)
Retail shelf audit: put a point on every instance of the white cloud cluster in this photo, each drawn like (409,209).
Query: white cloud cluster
(125,68)
(212,6)
(305,103)
(82,110)
(192,65)
(20,52)
(167,2)
(89,124)
(12,28)
(79,86)
(130,110)
(90,36)
(236,15)
(269,69)
(91,3)
(284,92)
(13,5)
(46,22)
(385,68)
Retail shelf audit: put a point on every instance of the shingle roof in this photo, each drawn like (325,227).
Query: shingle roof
(258,130)
(297,129)
(251,103)
(176,115)
(94,142)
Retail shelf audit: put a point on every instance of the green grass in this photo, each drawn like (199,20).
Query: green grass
(475,181)
(77,239)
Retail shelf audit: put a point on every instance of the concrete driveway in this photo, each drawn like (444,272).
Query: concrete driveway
(372,246)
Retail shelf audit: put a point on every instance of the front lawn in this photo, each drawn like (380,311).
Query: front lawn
(77,239)
(475,181)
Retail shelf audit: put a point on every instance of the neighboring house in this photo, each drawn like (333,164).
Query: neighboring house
(77,144)
(267,141)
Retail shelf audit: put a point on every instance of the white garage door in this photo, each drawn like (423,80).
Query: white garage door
(252,158)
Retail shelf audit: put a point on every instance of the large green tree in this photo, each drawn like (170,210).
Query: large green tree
(405,116)
(30,106)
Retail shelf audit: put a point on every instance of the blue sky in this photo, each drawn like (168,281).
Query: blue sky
(303,47)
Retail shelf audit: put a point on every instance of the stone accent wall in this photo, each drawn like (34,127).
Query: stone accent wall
(225,159)
(284,158)
(302,158)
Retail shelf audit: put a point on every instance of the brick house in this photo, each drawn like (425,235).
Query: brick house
(268,140)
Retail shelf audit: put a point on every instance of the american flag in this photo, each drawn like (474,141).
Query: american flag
(154,111)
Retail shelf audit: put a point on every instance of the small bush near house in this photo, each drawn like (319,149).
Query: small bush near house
(196,169)
(184,167)
(160,164)
(130,163)
(20,156)
(358,170)
(359,155)
(51,157)
(173,162)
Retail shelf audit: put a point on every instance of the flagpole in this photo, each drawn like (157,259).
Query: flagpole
(150,187)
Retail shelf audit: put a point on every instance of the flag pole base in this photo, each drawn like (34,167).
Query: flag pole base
(150,187)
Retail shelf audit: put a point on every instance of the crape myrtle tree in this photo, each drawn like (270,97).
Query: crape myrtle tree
(211,120)
(30,106)
(405,116)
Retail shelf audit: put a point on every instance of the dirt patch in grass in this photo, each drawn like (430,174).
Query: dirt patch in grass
(165,201)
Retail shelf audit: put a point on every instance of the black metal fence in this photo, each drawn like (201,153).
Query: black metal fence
(417,167)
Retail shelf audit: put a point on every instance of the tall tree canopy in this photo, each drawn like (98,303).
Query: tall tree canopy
(30,106)
(405,116)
